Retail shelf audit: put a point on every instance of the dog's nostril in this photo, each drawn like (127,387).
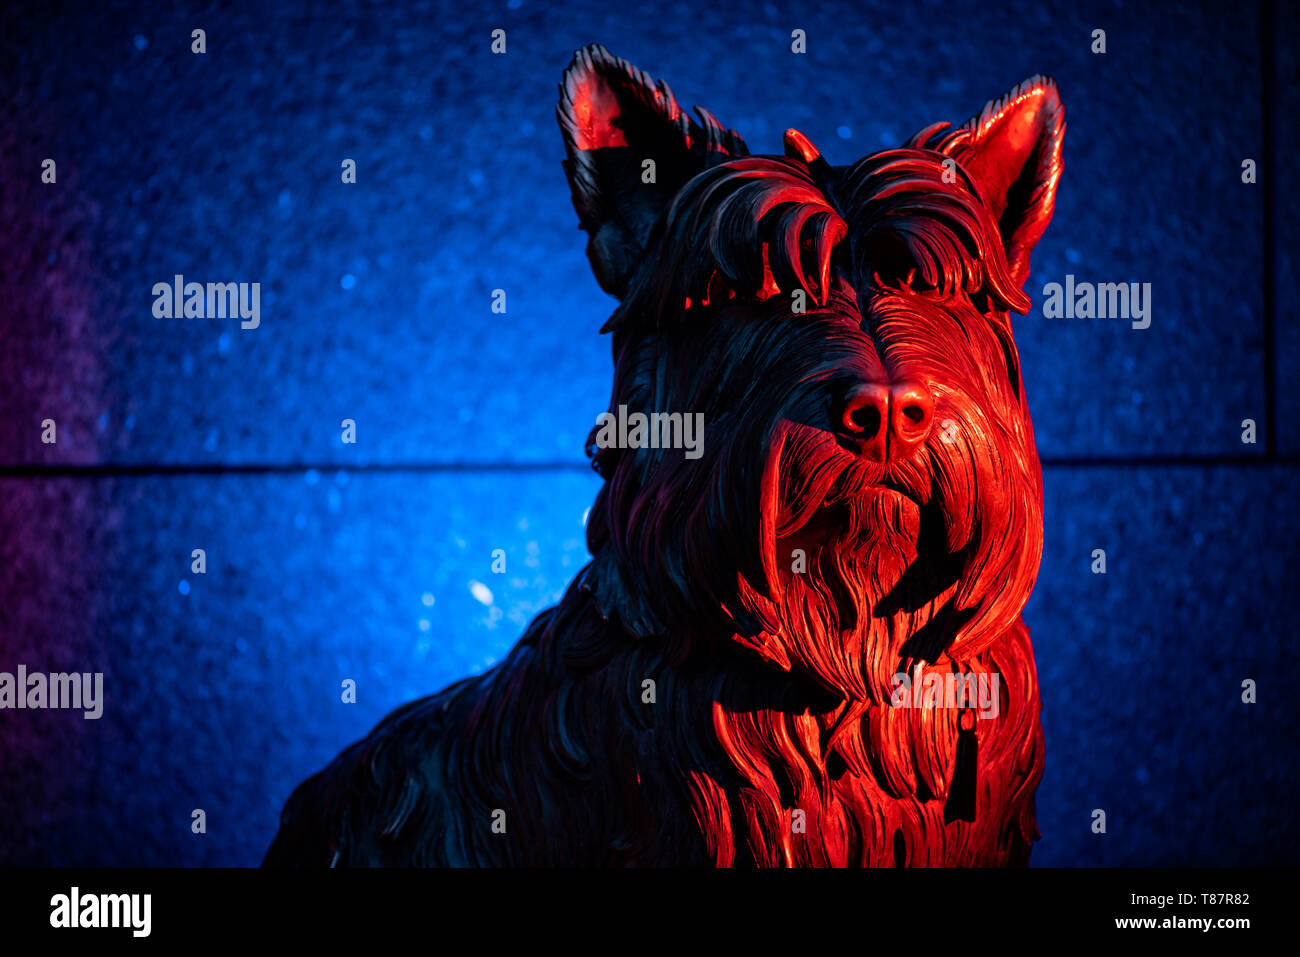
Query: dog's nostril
(913,406)
(865,420)
(864,411)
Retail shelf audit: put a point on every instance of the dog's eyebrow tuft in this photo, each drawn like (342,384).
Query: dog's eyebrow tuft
(916,218)
(751,227)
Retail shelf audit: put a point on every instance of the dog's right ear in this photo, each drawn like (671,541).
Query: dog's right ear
(630,149)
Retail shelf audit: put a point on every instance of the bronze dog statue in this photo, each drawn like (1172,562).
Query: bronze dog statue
(802,644)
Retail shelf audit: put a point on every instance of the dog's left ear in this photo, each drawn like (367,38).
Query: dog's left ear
(1012,151)
(614,119)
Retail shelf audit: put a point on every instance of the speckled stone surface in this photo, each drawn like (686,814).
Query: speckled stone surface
(1141,668)
(222,690)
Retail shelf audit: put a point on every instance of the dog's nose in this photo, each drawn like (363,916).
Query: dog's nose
(888,422)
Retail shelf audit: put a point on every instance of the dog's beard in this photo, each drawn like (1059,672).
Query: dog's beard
(843,622)
(865,572)
(876,568)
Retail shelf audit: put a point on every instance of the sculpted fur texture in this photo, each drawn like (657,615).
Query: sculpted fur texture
(721,684)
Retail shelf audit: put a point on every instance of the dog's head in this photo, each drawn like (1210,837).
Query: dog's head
(868,488)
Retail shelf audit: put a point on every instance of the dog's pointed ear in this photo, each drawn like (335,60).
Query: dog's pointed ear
(614,119)
(1012,151)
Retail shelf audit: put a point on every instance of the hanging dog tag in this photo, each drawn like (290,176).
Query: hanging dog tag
(965,773)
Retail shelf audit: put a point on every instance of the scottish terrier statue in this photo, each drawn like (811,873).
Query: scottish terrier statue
(800,644)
